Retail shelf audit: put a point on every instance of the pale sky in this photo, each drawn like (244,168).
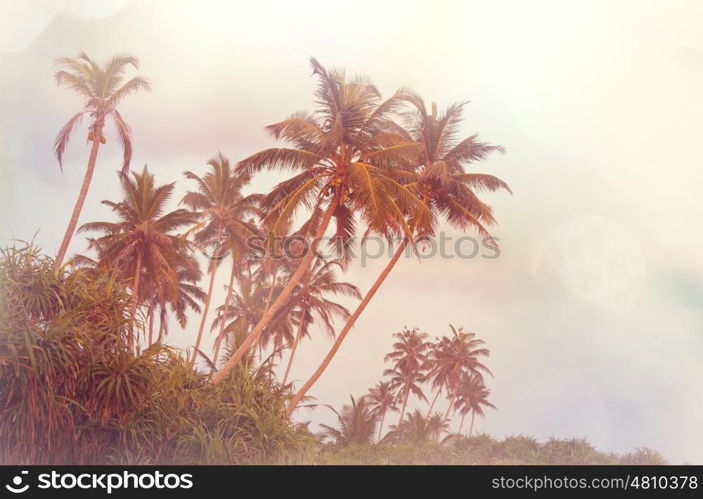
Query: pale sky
(593,310)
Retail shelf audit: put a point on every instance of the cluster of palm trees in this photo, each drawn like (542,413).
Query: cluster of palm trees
(361,165)
(450,365)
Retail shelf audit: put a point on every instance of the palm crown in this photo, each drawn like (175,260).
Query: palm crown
(103,88)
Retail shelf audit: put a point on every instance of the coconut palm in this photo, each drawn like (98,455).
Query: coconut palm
(445,190)
(382,399)
(143,241)
(471,396)
(451,358)
(345,154)
(103,88)
(356,424)
(409,358)
(220,208)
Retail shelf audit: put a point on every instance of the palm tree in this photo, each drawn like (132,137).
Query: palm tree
(220,207)
(409,357)
(451,358)
(143,242)
(472,396)
(103,88)
(382,399)
(311,303)
(345,154)
(356,424)
(419,429)
(444,189)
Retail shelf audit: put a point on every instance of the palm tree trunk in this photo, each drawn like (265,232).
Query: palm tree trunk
(461,425)
(78,207)
(292,352)
(206,307)
(446,414)
(429,411)
(162,327)
(218,340)
(347,327)
(405,404)
(380,426)
(135,299)
(280,301)
(471,428)
(151,322)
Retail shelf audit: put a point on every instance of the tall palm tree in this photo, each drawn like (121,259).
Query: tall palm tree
(356,424)
(409,358)
(103,88)
(472,396)
(220,207)
(439,181)
(382,399)
(311,302)
(451,358)
(344,154)
(142,242)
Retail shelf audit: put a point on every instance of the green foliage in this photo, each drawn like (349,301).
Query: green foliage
(481,449)
(72,392)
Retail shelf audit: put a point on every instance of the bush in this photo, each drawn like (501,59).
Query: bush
(71,392)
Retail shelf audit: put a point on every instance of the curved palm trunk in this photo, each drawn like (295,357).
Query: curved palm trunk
(203,319)
(78,207)
(471,428)
(406,396)
(292,352)
(432,404)
(221,334)
(151,322)
(280,300)
(135,299)
(347,327)
(380,426)
(461,425)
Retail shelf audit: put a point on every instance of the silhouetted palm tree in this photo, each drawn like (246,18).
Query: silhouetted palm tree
(451,358)
(102,88)
(356,424)
(382,399)
(221,210)
(143,241)
(471,396)
(409,358)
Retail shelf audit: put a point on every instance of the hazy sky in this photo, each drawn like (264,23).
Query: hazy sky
(593,310)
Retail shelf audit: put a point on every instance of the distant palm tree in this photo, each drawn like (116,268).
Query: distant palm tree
(439,181)
(419,429)
(143,241)
(103,88)
(345,154)
(221,209)
(409,357)
(451,358)
(356,424)
(382,399)
(471,396)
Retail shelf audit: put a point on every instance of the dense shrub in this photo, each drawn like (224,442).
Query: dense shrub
(71,392)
